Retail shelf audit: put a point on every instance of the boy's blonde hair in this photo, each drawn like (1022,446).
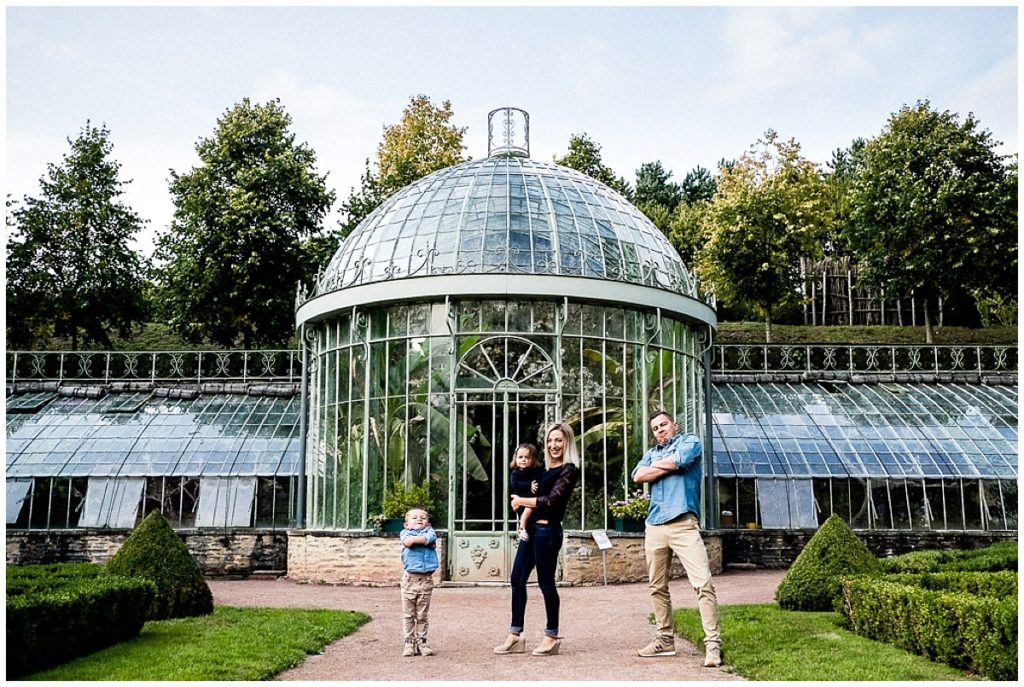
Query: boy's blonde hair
(423,510)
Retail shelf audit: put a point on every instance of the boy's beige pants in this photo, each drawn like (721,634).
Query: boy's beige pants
(416,590)
(682,537)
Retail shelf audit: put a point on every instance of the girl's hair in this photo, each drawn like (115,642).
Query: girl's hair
(571,453)
(534,455)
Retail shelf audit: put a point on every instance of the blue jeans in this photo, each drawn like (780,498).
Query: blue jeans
(541,551)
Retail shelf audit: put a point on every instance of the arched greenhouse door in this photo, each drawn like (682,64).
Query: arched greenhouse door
(505,395)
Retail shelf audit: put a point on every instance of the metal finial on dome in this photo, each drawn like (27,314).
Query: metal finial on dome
(509,133)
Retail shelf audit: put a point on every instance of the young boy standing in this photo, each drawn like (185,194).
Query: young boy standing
(419,559)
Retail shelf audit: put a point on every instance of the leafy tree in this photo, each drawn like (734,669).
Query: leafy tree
(844,167)
(768,212)
(584,156)
(698,185)
(653,187)
(234,251)
(688,229)
(70,270)
(423,142)
(934,209)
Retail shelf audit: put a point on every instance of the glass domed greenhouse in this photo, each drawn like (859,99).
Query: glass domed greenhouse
(476,306)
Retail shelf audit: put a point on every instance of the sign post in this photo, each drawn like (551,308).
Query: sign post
(603,544)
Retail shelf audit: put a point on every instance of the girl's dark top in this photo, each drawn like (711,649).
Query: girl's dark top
(553,492)
(520,481)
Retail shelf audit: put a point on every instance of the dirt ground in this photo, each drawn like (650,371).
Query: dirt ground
(602,627)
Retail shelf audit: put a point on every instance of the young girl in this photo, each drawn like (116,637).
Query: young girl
(526,470)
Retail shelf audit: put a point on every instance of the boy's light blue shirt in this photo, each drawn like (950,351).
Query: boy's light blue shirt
(677,492)
(419,558)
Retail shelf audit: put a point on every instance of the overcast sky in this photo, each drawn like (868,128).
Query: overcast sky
(686,85)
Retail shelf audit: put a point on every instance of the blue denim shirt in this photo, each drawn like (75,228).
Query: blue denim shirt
(677,492)
(419,558)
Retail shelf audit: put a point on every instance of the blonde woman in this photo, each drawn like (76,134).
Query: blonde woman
(545,540)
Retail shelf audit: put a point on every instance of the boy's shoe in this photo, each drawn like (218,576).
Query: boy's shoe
(712,656)
(425,649)
(659,647)
(409,649)
(523,536)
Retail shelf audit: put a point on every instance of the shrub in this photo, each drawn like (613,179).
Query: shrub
(399,499)
(998,585)
(1000,556)
(633,507)
(52,621)
(154,552)
(962,630)
(28,579)
(813,582)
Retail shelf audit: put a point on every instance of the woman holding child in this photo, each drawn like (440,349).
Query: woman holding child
(543,541)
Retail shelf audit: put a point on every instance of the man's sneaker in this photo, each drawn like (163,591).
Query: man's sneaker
(712,656)
(409,649)
(659,647)
(425,649)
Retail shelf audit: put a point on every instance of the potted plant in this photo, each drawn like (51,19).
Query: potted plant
(630,512)
(399,498)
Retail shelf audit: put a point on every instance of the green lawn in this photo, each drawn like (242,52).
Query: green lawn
(232,644)
(762,642)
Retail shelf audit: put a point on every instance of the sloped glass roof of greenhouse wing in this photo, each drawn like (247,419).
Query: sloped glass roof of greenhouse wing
(142,435)
(865,430)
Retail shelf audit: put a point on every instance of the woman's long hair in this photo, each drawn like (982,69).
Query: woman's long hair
(571,454)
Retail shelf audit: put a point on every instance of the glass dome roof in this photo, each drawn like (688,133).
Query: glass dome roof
(507,214)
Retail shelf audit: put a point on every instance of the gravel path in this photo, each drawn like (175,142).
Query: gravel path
(602,627)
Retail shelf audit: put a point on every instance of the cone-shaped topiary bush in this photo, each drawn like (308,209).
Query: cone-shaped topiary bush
(814,581)
(155,552)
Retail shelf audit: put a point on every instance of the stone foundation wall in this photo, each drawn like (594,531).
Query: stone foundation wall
(582,562)
(373,558)
(351,557)
(222,553)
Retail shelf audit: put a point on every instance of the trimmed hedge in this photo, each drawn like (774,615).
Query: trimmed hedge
(998,585)
(154,552)
(963,630)
(1001,556)
(814,581)
(76,615)
(28,579)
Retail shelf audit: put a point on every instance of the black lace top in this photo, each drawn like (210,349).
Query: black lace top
(553,492)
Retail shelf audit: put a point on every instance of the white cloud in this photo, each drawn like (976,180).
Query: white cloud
(992,97)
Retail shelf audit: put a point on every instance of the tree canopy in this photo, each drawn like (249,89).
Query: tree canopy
(934,208)
(424,141)
(584,155)
(234,251)
(768,212)
(70,270)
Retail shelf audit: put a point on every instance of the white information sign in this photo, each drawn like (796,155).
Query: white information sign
(601,539)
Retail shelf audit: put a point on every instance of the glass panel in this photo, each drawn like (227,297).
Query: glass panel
(226,502)
(972,504)
(994,504)
(112,502)
(953,497)
(17,496)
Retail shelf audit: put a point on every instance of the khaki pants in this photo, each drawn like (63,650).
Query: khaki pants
(416,590)
(681,536)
